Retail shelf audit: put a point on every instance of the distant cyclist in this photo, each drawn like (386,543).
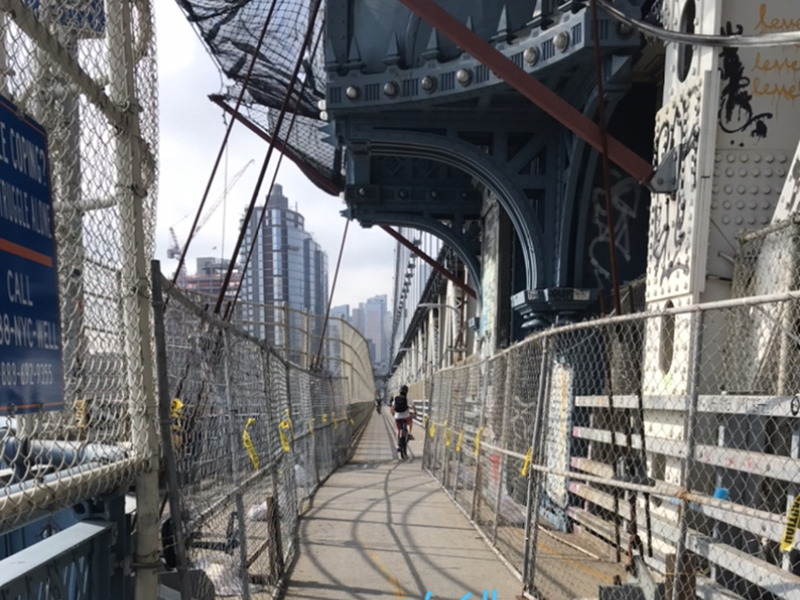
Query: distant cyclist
(403,410)
(377,402)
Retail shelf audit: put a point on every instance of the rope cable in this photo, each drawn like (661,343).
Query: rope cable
(276,134)
(316,364)
(224,144)
(250,251)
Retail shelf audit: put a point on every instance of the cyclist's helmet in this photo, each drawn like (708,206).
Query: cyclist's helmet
(403,390)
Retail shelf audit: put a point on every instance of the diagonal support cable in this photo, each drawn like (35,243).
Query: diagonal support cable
(222,147)
(248,215)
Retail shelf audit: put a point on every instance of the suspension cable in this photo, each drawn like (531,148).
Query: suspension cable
(316,363)
(788,38)
(222,147)
(232,305)
(312,17)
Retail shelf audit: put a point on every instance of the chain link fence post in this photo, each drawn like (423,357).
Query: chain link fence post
(165,420)
(476,494)
(235,474)
(682,588)
(533,499)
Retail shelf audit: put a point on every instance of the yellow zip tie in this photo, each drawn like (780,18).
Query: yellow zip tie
(792,521)
(425,422)
(335,423)
(325,419)
(527,464)
(248,444)
(447,433)
(311,426)
(289,420)
(460,439)
(352,422)
(282,432)
(478,442)
(433,428)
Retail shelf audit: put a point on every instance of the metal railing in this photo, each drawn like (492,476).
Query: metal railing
(659,446)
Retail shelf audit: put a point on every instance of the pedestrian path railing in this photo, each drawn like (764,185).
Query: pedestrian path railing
(252,435)
(663,446)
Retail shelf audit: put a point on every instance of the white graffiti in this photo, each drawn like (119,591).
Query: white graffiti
(626,195)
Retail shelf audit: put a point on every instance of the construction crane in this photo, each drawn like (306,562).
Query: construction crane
(176,250)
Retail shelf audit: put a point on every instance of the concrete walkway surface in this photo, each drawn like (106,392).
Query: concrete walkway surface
(383,528)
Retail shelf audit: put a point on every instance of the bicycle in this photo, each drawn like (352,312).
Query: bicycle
(402,443)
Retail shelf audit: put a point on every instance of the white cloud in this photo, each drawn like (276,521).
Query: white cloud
(192,129)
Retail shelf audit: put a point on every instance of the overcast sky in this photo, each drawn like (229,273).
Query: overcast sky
(192,129)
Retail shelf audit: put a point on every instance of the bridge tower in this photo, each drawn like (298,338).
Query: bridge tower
(432,139)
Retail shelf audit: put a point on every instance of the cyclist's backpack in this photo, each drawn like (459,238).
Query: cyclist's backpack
(400,404)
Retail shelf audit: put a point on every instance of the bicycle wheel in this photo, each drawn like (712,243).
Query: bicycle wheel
(404,441)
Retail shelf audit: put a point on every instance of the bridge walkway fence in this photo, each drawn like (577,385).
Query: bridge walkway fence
(253,435)
(661,447)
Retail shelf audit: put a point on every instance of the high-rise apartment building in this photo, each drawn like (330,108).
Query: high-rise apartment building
(374,330)
(288,269)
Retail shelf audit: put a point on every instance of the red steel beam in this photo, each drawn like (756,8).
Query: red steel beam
(426,257)
(533,90)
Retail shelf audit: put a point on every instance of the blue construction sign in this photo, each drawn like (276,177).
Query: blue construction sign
(30,330)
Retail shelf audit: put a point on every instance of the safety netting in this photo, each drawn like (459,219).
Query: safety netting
(230,30)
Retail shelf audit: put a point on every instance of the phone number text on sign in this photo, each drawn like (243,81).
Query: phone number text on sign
(24,373)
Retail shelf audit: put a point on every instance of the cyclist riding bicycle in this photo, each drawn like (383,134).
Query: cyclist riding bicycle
(377,402)
(404,411)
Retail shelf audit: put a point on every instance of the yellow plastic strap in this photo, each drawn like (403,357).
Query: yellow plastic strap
(352,422)
(325,419)
(311,426)
(460,439)
(527,464)
(291,426)
(478,442)
(447,434)
(425,422)
(248,444)
(282,429)
(433,429)
(335,423)
(175,413)
(792,522)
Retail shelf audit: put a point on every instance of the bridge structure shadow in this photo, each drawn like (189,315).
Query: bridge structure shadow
(381,527)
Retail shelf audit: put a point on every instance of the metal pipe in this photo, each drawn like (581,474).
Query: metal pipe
(164,402)
(532,512)
(601,117)
(235,471)
(316,364)
(434,264)
(536,92)
(695,349)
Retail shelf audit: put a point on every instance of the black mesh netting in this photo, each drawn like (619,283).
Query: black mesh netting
(230,30)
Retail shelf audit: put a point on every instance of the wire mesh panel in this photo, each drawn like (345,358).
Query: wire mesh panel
(102,169)
(660,448)
(253,435)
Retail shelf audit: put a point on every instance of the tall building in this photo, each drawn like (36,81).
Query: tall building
(288,269)
(374,330)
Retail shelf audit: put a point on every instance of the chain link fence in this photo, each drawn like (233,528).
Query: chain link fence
(655,449)
(253,436)
(86,72)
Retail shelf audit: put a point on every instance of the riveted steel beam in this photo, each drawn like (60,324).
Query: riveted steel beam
(536,92)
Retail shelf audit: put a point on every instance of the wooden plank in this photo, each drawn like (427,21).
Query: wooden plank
(755,463)
(722,404)
(769,577)
(654,444)
(592,467)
